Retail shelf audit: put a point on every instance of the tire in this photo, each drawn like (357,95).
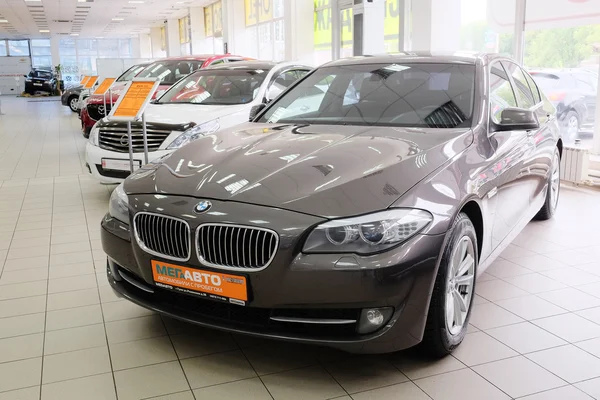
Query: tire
(72,102)
(571,125)
(553,191)
(442,337)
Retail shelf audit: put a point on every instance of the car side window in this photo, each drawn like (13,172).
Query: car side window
(282,82)
(301,73)
(525,97)
(502,95)
(217,62)
(534,88)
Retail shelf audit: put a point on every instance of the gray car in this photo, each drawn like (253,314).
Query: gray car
(70,97)
(354,211)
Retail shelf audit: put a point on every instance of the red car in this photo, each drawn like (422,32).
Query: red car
(167,70)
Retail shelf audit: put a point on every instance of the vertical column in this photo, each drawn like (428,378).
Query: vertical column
(198,32)
(299,30)
(369,35)
(436,25)
(520,13)
(156,42)
(54,49)
(145,45)
(173,45)
(234,29)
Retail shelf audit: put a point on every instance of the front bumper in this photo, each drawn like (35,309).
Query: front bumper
(45,87)
(294,284)
(95,154)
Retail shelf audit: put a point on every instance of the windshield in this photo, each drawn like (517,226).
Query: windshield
(406,95)
(41,74)
(217,87)
(131,73)
(169,72)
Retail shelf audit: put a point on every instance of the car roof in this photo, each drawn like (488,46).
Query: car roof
(197,57)
(420,57)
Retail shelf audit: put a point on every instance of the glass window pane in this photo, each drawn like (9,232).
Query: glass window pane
(67,47)
(125,48)
(265,42)
(488,26)
(534,88)
(87,47)
(501,92)
(323,33)
(3,50)
(108,48)
(70,69)
(41,61)
(18,48)
(525,98)
(347,33)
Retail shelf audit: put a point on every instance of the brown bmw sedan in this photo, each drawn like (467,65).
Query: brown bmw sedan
(354,211)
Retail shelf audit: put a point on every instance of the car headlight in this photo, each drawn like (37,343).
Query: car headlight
(367,234)
(195,133)
(118,207)
(94,136)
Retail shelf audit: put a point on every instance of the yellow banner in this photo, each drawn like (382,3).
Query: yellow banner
(208,21)
(258,11)
(217,12)
(104,86)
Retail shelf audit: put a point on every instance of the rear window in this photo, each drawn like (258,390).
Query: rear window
(405,95)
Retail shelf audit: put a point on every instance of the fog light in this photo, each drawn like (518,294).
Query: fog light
(371,319)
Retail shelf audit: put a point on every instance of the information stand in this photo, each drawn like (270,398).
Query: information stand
(90,82)
(130,108)
(104,88)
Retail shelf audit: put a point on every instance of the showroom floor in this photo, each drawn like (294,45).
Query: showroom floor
(64,335)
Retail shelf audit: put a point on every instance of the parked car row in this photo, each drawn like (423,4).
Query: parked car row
(352,205)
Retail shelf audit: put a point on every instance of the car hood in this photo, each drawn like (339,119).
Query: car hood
(322,170)
(184,113)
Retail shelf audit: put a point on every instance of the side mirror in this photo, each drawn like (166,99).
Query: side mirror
(255,110)
(517,119)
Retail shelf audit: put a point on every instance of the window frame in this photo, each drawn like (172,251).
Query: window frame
(516,87)
(509,80)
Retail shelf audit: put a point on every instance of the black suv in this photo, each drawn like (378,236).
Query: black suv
(40,80)
(573,92)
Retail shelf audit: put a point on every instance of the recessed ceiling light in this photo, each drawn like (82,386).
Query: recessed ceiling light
(136,2)
(118,19)
(44,31)
(74,34)
(31,1)
(99,37)
(3,21)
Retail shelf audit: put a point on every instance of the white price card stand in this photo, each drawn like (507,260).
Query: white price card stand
(130,108)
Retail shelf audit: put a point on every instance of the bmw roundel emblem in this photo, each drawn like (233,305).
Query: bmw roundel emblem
(203,206)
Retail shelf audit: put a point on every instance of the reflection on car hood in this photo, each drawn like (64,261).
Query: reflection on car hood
(183,113)
(324,170)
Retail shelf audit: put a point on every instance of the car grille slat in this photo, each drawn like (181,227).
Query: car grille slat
(163,236)
(116,139)
(236,247)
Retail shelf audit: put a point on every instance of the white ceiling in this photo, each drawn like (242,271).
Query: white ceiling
(93,18)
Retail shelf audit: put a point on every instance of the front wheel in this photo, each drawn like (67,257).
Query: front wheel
(553,191)
(452,296)
(73,101)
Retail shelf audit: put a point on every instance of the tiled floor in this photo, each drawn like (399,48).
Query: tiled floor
(535,331)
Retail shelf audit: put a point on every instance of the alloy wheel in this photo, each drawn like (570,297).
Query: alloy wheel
(74,104)
(459,288)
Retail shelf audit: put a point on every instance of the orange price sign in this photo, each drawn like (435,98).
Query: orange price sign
(104,86)
(133,102)
(85,79)
(90,82)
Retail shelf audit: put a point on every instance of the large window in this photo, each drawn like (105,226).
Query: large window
(185,35)
(3,48)
(78,56)
(488,26)
(41,56)
(213,27)
(265,26)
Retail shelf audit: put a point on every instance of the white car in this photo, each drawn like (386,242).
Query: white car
(202,103)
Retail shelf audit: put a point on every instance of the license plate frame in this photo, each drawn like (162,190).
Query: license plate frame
(38,84)
(119,164)
(233,289)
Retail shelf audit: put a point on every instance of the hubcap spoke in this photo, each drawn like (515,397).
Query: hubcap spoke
(466,264)
(459,304)
(450,310)
(465,280)
(461,278)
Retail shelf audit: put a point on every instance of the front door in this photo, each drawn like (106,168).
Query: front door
(508,166)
